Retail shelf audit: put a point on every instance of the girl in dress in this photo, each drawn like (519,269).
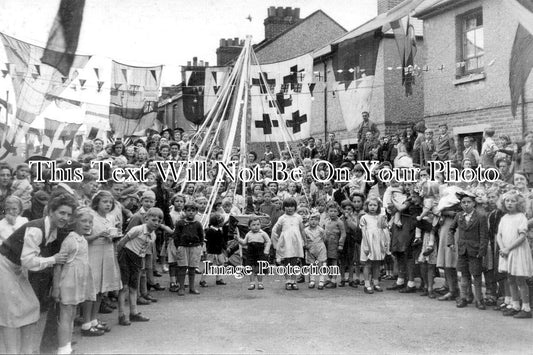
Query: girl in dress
(104,267)
(287,238)
(375,243)
(13,219)
(515,253)
(425,233)
(73,281)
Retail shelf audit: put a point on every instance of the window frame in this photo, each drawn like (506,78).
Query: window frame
(462,19)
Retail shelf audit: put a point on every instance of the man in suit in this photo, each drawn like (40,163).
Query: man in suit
(444,144)
(427,148)
(472,242)
(365,127)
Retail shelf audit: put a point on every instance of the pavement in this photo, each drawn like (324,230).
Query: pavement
(233,320)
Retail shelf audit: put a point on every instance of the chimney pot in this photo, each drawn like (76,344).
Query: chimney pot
(271,11)
(296,13)
(195,61)
(288,11)
(206,64)
(188,63)
(201,63)
(279,12)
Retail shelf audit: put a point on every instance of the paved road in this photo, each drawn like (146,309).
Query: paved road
(231,319)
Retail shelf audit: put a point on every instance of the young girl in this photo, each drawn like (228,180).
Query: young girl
(425,233)
(12,220)
(176,213)
(287,238)
(73,281)
(258,244)
(104,267)
(215,245)
(375,243)
(515,253)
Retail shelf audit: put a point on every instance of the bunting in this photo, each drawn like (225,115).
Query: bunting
(58,138)
(30,89)
(133,102)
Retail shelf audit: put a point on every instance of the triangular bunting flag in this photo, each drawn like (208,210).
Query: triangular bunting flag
(188,74)
(154,75)
(34,76)
(64,79)
(97,72)
(311,88)
(125,75)
(214,74)
(4,73)
(100,84)
(82,82)
(215,88)
(8,67)
(38,69)
(117,86)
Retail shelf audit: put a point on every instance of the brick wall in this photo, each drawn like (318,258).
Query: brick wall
(386,5)
(314,32)
(228,50)
(280,19)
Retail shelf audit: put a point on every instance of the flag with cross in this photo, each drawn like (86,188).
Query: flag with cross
(281,100)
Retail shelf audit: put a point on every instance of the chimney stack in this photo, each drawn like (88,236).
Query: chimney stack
(229,49)
(280,19)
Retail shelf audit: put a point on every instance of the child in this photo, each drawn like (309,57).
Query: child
(315,247)
(73,281)
(358,182)
(258,244)
(131,249)
(176,213)
(215,245)
(353,237)
(188,239)
(429,191)
(21,186)
(335,238)
(375,243)
(287,238)
(13,219)
(515,253)
(472,242)
(425,234)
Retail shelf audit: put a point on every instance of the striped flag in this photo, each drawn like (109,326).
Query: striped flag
(64,35)
(10,138)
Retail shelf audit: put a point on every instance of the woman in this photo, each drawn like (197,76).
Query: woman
(130,154)
(6,179)
(34,247)
(142,157)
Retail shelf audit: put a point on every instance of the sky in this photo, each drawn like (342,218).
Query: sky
(166,32)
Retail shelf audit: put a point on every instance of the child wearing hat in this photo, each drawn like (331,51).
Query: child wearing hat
(188,239)
(471,247)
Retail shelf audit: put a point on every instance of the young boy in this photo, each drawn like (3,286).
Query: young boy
(334,240)
(188,238)
(131,251)
(472,247)
(315,248)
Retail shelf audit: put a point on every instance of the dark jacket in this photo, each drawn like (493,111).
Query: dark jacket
(188,233)
(473,236)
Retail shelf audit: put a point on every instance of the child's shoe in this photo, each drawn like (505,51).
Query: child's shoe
(331,284)
(300,279)
(294,286)
(378,288)
(523,314)
(369,290)
(252,287)
(203,283)
(138,318)
(320,285)
(432,294)
(141,301)
(354,284)
(122,320)
(194,291)
(173,287)
(181,291)
(260,287)
(461,303)
(480,305)
(220,282)
(424,293)
(312,284)
(150,298)
(510,312)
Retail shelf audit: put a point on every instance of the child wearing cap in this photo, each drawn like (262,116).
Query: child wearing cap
(131,251)
(315,247)
(472,241)
(188,239)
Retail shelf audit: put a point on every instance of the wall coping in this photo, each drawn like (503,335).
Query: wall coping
(470,129)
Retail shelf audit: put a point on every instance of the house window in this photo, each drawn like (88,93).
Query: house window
(472,46)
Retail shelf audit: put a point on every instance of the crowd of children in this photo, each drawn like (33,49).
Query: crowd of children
(123,234)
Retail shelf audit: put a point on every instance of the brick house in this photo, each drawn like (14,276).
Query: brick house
(468,47)
(376,54)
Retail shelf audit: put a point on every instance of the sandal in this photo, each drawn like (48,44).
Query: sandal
(260,287)
(104,327)
(321,285)
(251,287)
(92,332)
(294,287)
(312,284)
(288,286)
